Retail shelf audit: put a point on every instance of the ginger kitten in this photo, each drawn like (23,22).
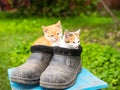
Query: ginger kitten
(70,40)
(52,35)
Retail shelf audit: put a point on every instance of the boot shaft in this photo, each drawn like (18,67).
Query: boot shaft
(64,56)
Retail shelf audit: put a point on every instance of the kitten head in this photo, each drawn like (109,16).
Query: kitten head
(53,33)
(71,39)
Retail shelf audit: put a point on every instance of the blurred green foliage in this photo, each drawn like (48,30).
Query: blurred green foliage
(58,7)
(99,41)
(103,61)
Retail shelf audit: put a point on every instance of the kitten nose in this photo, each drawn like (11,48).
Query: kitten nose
(56,38)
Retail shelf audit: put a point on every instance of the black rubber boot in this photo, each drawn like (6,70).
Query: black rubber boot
(29,72)
(62,71)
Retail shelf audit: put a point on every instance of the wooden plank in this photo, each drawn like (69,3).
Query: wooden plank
(85,81)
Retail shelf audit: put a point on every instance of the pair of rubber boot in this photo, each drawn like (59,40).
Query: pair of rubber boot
(51,67)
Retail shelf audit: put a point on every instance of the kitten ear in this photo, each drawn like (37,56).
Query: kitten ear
(78,31)
(44,28)
(58,24)
(66,33)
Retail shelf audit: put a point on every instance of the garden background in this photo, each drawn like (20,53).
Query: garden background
(20,26)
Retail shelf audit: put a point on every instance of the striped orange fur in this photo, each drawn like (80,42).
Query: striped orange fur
(52,34)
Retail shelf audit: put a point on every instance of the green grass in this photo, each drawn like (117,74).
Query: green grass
(98,38)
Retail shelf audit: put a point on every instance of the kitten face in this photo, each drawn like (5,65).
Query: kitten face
(72,39)
(53,33)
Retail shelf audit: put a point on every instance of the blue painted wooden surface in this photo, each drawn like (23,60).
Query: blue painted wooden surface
(85,81)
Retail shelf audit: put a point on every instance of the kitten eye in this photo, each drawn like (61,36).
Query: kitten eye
(52,35)
(73,42)
(58,33)
(78,41)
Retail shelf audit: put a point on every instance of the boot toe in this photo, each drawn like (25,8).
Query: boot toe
(50,78)
(25,76)
(55,76)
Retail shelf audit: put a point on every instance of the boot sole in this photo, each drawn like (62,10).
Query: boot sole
(63,85)
(25,81)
